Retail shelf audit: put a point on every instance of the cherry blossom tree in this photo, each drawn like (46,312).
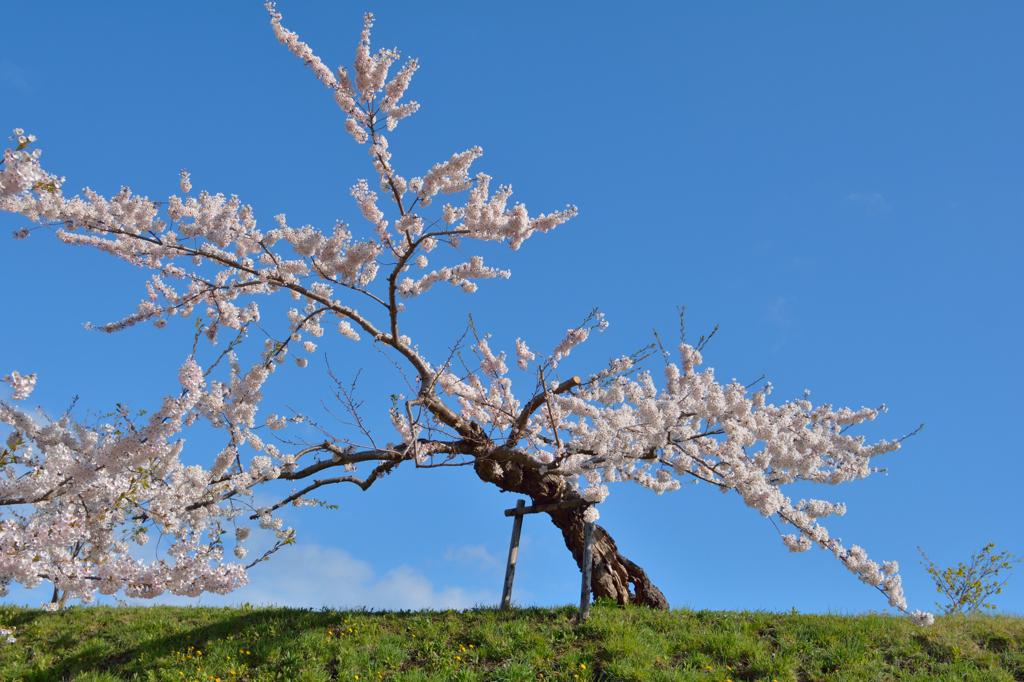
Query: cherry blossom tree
(76,494)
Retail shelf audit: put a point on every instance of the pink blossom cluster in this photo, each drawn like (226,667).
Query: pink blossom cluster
(92,490)
(491,220)
(371,78)
(21,173)
(22,385)
(459,275)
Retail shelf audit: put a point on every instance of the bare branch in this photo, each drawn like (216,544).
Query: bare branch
(535,402)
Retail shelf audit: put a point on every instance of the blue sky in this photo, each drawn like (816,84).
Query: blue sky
(839,188)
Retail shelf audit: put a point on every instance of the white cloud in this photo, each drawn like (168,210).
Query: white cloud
(777,312)
(14,75)
(471,554)
(873,202)
(314,576)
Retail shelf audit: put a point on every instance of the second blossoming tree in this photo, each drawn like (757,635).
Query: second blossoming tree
(77,494)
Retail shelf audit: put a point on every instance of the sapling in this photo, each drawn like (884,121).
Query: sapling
(967,587)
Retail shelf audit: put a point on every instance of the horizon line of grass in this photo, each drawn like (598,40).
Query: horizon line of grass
(256,643)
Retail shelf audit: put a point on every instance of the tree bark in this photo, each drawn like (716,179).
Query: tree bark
(612,573)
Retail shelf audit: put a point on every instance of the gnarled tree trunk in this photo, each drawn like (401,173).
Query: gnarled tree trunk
(612,573)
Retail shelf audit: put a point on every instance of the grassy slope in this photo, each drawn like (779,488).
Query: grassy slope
(174,643)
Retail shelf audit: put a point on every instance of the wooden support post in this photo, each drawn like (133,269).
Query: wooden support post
(513,551)
(522,510)
(588,559)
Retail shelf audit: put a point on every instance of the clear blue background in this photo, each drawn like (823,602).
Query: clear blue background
(840,188)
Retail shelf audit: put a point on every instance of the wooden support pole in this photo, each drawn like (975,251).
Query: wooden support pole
(522,510)
(513,551)
(588,559)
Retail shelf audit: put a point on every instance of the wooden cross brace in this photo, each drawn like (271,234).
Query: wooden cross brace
(513,550)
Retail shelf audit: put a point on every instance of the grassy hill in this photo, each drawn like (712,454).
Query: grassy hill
(255,644)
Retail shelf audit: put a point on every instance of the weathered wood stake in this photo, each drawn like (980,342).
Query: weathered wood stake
(513,551)
(588,559)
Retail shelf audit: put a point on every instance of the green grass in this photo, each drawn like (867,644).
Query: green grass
(254,644)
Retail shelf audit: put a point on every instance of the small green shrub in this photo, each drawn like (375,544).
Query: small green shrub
(967,587)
